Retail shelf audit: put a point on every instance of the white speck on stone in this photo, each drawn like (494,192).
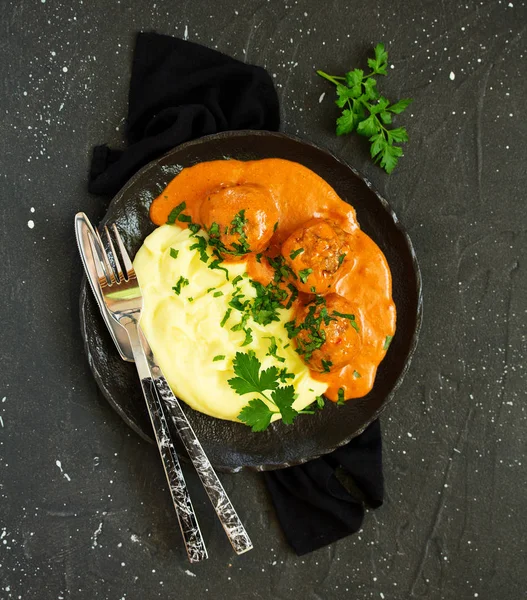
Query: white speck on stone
(305,14)
(510,5)
(190,573)
(59,465)
(135,539)
(32,209)
(31,224)
(382,595)
(321,97)
(452,75)
(1,422)
(185,35)
(25,93)
(65,69)
(61,106)
(43,1)
(53,53)
(96,535)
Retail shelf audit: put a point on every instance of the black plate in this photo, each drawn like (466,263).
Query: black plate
(232,446)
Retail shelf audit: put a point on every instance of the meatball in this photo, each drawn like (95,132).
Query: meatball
(315,252)
(239,218)
(327,333)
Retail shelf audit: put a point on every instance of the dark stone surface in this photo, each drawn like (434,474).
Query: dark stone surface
(453,526)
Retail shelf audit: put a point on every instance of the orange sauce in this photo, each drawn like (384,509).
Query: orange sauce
(300,195)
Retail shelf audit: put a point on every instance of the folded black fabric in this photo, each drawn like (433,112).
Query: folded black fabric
(180,91)
(322,501)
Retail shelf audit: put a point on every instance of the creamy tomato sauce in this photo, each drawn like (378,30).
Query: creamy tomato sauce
(286,207)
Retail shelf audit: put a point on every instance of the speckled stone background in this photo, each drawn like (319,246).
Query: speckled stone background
(84,510)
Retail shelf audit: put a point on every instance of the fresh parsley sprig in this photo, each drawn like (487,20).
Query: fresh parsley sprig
(367,112)
(251,379)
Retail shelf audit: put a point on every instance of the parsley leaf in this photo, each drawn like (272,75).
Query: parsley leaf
(357,375)
(248,377)
(174,253)
(218,357)
(284,397)
(387,342)
(256,414)
(251,379)
(368,113)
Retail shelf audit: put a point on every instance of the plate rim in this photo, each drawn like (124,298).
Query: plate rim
(386,206)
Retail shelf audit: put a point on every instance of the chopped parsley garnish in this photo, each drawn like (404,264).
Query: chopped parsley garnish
(251,379)
(237,279)
(273,349)
(387,342)
(215,264)
(320,402)
(210,289)
(348,316)
(269,298)
(295,253)
(326,366)
(181,283)
(315,336)
(190,299)
(341,401)
(304,274)
(248,336)
(281,270)
(284,375)
(218,357)
(185,218)
(174,253)
(175,212)
(201,246)
(226,317)
(194,227)
(259,258)
(341,259)
(238,226)
(217,294)
(356,374)
(293,296)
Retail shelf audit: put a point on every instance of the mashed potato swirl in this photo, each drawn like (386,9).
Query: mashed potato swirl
(185,332)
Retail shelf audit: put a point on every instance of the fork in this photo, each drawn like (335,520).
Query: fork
(124,301)
(231,522)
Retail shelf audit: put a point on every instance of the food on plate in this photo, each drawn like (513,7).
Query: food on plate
(261,292)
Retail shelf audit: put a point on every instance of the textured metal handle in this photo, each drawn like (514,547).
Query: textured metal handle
(238,536)
(188,522)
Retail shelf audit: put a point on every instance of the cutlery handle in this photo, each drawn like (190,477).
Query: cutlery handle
(188,522)
(238,536)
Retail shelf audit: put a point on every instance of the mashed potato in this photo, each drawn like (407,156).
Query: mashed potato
(185,330)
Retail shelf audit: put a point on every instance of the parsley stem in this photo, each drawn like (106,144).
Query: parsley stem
(332,78)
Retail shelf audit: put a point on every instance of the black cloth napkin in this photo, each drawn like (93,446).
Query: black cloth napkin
(180,91)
